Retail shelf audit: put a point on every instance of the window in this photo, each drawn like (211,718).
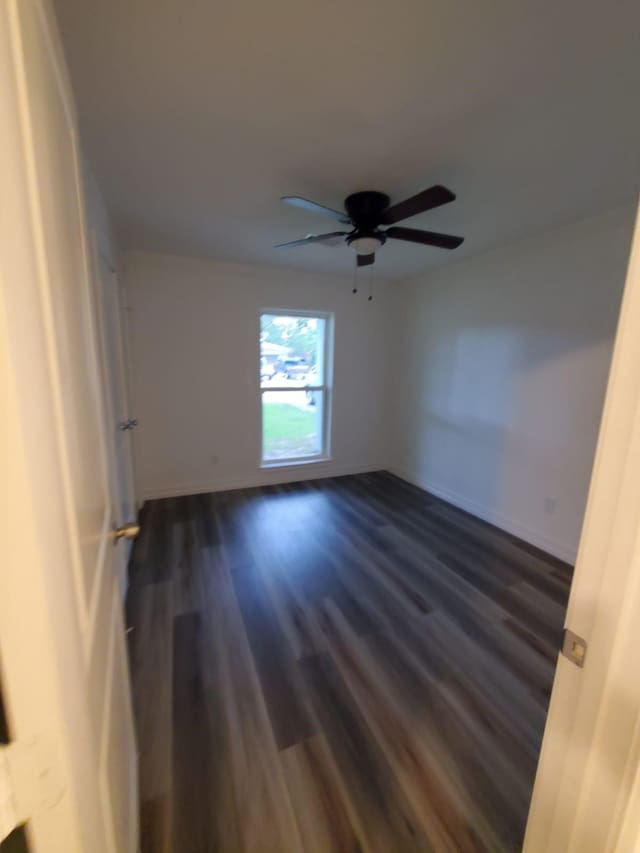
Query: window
(295,365)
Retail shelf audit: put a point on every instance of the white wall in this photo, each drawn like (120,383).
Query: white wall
(504,365)
(194,335)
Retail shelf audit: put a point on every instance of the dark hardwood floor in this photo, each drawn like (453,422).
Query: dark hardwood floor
(339,665)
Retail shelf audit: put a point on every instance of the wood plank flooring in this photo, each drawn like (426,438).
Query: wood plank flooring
(339,665)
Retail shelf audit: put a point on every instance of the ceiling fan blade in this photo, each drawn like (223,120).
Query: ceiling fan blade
(426,200)
(366,260)
(427,238)
(313,207)
(311,238)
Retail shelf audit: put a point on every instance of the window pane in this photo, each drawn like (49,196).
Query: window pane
(291,351)
(291,424)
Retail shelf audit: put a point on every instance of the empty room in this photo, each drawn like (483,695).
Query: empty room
(320,366)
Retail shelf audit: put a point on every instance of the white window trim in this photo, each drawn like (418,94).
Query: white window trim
(326,389)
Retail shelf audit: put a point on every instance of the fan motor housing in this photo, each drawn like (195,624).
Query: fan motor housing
(365,208)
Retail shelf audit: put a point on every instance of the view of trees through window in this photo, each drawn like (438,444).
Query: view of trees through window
(293,386)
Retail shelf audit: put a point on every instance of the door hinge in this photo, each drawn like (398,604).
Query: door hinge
(30,780)
(574,647)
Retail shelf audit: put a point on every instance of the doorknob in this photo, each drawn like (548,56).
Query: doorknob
(127,531)
(132,423)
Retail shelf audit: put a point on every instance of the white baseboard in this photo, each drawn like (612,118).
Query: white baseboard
(261,477)
(561,550)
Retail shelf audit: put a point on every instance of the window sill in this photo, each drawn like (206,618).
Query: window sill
(294,463)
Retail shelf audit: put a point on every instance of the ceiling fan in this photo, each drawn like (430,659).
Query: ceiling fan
(367,211)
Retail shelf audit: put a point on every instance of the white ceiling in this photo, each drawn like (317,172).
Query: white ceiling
(197,116)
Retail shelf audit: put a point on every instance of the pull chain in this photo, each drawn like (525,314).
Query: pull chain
(370,299)
(355,278)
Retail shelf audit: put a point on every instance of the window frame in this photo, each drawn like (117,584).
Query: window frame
(326,389)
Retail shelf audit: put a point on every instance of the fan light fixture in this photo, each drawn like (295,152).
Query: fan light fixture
(366,211)
(366,245)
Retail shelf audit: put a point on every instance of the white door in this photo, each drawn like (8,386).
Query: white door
(586,797)
(62,649)
(119,421)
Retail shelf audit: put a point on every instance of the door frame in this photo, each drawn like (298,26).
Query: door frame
(109,380)
(587,791)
